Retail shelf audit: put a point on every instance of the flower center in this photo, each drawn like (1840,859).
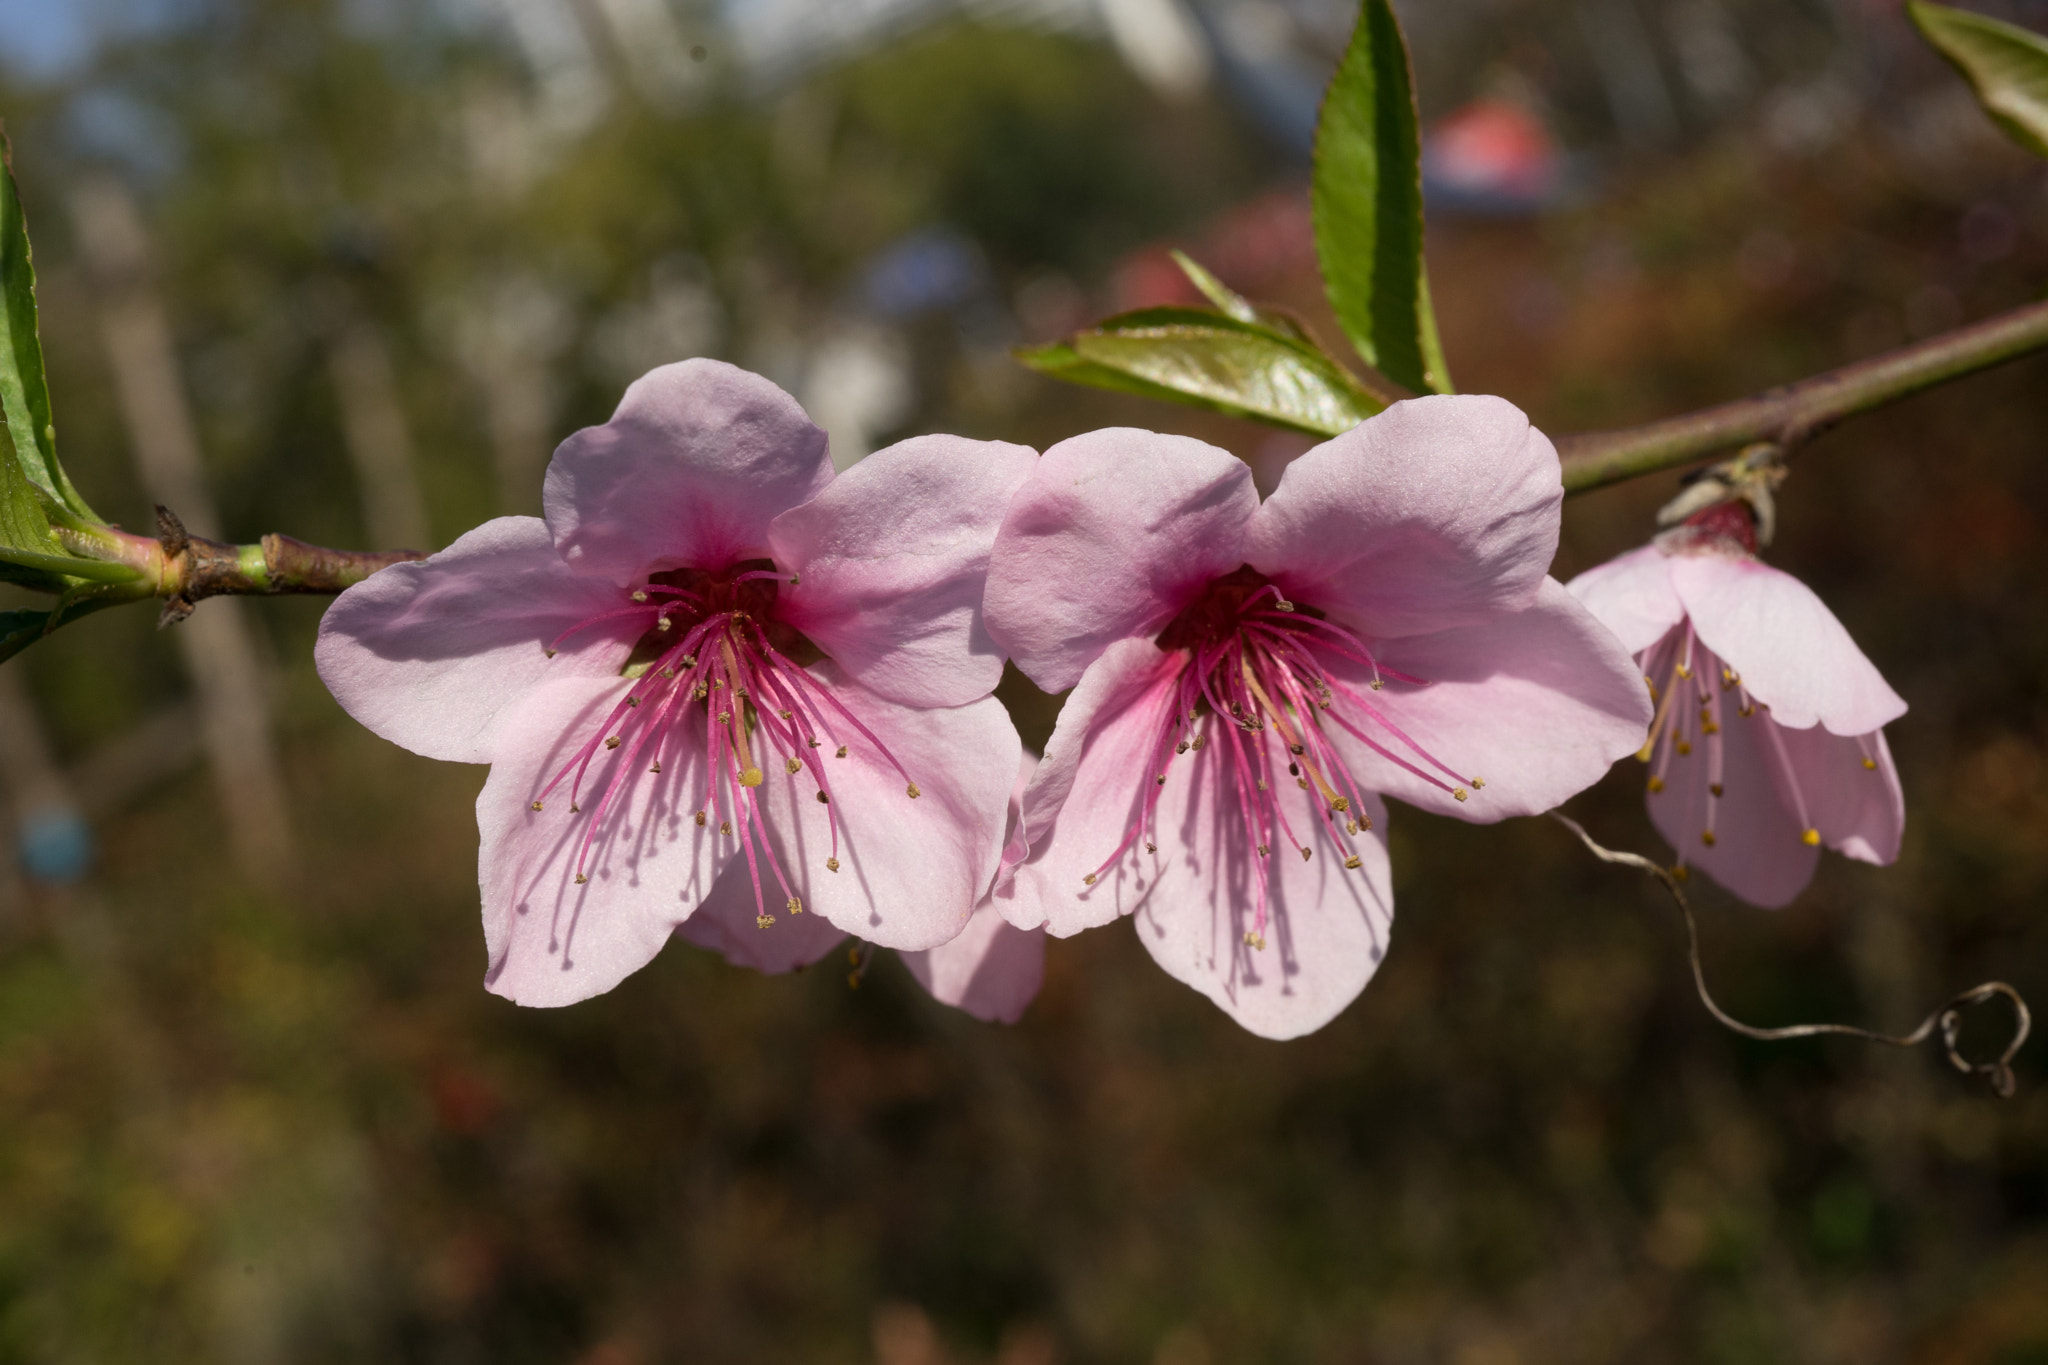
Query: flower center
(713,657)
(1696,695)
(1255,678)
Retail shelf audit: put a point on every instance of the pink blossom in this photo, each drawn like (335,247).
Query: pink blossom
(1249,679)
(1768,740)
(716,677)
(991,969)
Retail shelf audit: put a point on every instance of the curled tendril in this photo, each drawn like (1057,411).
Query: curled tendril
(1947,1019)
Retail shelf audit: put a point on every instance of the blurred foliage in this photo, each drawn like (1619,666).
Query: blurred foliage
(289,1124)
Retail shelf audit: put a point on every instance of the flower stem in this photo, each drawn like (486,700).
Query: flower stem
(1795,413)
(191,568)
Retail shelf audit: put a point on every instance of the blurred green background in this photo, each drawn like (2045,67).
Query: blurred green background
(255,1104)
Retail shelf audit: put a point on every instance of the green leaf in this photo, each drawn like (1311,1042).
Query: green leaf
(22,628)
(1366,203)
(1213,361)
(2005,65)
(24,392)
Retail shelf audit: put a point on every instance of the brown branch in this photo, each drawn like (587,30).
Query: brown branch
(1796,413)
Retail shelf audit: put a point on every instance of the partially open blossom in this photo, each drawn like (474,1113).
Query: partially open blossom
(1249,678)
(715,674)
(1768,739)
(991,969)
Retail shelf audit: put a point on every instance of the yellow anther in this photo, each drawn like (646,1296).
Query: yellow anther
(1870,765)
(1263,850)
(913,793)
(663,623)
(1181,747)
(612,743)
(702,691)
(831,864)
(1297,749)
(725,717)
(824,800)
(1351,827)
(1680,873)
(1458,793)
(795,579)
(1746,712)
(1200,740)
(1306,854)
(1707,837)
(667,672)
(763,921)
(1376,684)
(1656,783)
(725,827)
(632,701)
(1478,783)
(656,767)
(750,777)
(536,805)
(1811,838)
(1283,605)
(1088,879)
(841,753)
(580,879)
(1715,788)
(639,596)
(1262,784)
(811,743)
(689,661)
(1161,779)
(1354,862)
(1709,728)
(785,714)
(1341,804)
(1301,782)
(794,765)
(1256,942)
(796,906)
(1365,822)
(1684,747)
(1151,848)
(549,652)
(575,809)
(700,819)
(1685,670)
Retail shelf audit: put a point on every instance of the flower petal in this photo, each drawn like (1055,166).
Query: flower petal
(1438,512)
(428,654)
(1757,853)
(1327,927)
(1632,596)
(698,459)
(553,941)
(728,924)
(1791,652)
(1112,533)
(1539,703)
(1085,793)
(991,968)
(891,557)
(1858,810)
(911,871)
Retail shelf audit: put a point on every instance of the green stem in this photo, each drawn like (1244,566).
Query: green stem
(1796,413)
(277,564)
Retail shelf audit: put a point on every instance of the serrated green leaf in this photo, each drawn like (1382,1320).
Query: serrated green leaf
(1213,361)
(2007,66)
(1366,205)
(24,391)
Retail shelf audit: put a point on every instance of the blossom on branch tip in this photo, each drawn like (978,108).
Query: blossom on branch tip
(713,674)
(1248,680)
(1768,739)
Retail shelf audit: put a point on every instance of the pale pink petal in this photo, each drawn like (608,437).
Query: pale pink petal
(1632,596)
(911,871)
(427,654)
(698,459)
(1858,810)
(1111,535)
(551,940)
(1327,926)
(1538,703)
(1194,889)
(890,560)
(1757,852)
(1081,800)
(728,924)
(1791,652)
(1438,512)
(991,968)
